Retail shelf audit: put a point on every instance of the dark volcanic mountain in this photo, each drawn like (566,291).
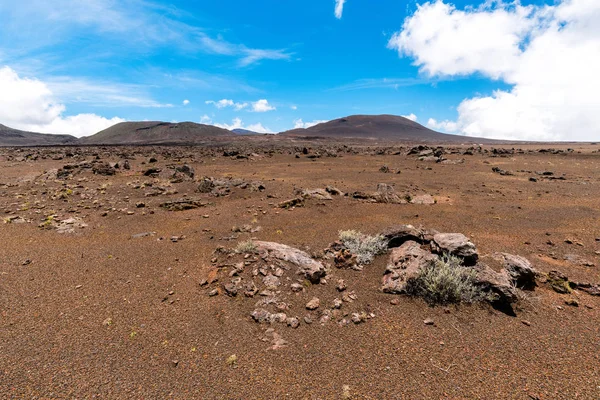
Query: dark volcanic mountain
(378,127)
(153,132)
(245,132)
(15,137)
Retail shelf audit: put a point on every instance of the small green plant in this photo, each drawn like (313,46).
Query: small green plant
(447,281)
(365,247)
(247,246)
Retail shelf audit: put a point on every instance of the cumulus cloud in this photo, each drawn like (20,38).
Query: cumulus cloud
(411,116)
(339,8)
(262,106)
(237,123)
(186,102)
(298,124)
(227,103)
(29,104)
(549,55)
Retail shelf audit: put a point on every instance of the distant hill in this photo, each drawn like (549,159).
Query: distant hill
(15,137)
(244,132)
(154,132)
(379,127)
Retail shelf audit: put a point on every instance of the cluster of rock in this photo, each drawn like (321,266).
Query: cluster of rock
(415,249)
(387,194)
(277,275)
(223,186)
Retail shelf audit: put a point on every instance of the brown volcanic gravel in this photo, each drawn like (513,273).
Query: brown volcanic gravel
(99,314)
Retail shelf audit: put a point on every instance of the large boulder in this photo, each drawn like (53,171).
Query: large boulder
(497,283)
(404,266)
(457,245)
(307,266)
(399,234)
(521,272)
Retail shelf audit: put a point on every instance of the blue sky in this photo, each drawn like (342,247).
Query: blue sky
(272,63)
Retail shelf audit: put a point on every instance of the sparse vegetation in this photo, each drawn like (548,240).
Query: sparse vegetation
(447,281)
(247,246)
(365,247)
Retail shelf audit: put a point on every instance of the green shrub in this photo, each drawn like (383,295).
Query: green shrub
(247,246)
(365,247)
(447,281)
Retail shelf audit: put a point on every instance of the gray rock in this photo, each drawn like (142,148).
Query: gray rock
(456,244)
(337,303)
(319,194)
(293,322)
(404,267)
(271,281)
(497,283)
(520,270)
(399,234)
(261,315)
(296,287)
(307,266)
(313,304)
(278,317)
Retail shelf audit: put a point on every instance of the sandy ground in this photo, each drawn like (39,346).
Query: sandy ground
(99,314)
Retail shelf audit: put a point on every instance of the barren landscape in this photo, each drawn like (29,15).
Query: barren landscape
(165,272)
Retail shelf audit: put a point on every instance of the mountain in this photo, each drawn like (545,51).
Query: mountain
(379,127)
(154,132)
(15,137)
(244,132)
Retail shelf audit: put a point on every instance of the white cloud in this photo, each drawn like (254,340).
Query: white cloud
(298,123)
(237,123)
(339,8)
(186,102)
(262,106)
(137,25)
(550,55)
(411,116)
(205,119)
(294,107)
(29,104)
(227,103)
(444,126)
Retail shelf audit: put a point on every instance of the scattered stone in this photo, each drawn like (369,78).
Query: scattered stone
(429,321)
(313,304)
(293,322)
(182,205)
(341,285)
(319,194)
(526,323)
(559,282)
(572,303)
(337,303)
(296,287)
(502,171)
(213,293)
(261,315)
(295,202)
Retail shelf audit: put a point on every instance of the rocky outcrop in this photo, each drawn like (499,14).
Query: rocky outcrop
(404,266)
(307,266)
(455,244)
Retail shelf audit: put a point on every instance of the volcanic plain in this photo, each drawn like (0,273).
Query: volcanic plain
(117,263)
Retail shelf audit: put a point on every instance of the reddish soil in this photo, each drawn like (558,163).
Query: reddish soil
(99,314)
